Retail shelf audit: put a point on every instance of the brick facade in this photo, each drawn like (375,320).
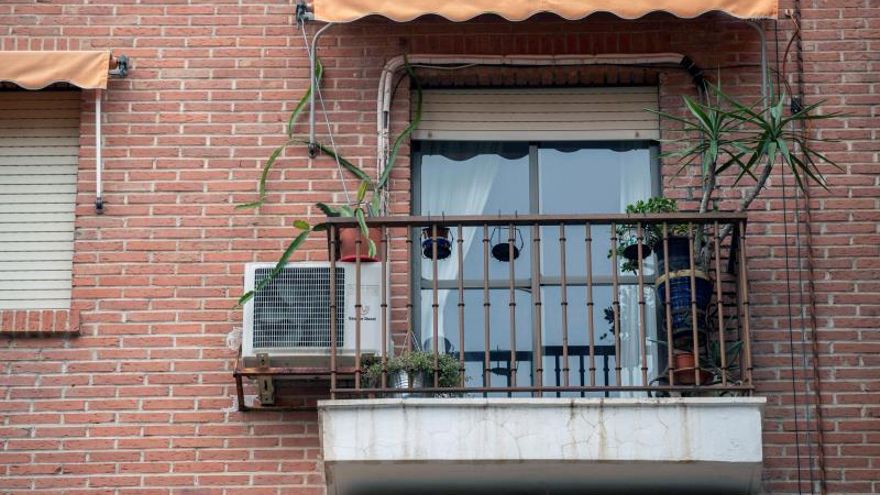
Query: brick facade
(142,401)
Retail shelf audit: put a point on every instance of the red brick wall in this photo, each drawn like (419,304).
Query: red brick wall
(143,400)
(840,39)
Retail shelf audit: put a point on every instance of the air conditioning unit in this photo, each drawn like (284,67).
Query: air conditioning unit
(289,319)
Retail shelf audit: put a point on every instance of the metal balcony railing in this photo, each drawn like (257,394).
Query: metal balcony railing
(541,305)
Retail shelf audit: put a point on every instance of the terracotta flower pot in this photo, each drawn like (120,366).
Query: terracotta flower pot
(348,248)
(684,370)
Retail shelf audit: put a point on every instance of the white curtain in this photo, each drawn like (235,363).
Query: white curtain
(453,184)
(633,187)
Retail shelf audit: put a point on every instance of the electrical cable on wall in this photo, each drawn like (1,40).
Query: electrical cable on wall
(811,290)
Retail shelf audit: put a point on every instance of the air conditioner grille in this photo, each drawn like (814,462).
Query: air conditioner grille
(294,309)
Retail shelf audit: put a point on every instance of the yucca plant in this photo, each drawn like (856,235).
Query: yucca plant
(370,194)
(728,136)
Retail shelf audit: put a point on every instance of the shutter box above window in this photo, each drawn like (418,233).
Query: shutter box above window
(540,114)
(39,146)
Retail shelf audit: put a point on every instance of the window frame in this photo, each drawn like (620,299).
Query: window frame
(419,284)
(534,206)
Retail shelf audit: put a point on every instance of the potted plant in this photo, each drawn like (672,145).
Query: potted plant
(727,136)
(679,267)
(368,201)
(727,371)
(414,370)
(724,136)
(628,240)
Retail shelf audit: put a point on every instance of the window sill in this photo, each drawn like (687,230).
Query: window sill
(39,322)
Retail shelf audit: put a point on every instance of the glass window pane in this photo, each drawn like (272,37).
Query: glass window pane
(460,178)
(592,180)
(475,331)
(603,335)
(588,180)
(474,255)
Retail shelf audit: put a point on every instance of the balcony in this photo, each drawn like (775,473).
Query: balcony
(555,354)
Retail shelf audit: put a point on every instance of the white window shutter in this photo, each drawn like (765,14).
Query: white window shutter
(39,147)
(540,114)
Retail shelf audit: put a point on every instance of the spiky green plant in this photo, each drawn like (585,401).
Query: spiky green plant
(728,136)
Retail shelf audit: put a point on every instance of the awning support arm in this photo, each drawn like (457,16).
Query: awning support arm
(99,198)
(313,83)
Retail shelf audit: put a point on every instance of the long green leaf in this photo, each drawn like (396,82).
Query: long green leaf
(697,111)
(362,191)
(328,210)
(282,262)
(354,169)
(362,222)
(375,203)
(365,232)
(301,105)
(264,176)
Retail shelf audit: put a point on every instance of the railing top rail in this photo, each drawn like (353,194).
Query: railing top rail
(549,219)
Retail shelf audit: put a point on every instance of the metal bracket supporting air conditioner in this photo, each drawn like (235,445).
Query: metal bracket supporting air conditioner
(264,382)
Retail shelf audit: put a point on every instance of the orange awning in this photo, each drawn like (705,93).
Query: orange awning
(38,69)
(517,10)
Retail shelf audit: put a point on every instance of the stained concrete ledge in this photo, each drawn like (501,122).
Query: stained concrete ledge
(446,445)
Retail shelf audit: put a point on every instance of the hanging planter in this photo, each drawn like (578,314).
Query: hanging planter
(436,236)
(501,249)
(629,242)
(631,251)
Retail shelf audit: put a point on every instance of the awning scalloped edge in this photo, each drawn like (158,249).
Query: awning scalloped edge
(38,69)
(518,10)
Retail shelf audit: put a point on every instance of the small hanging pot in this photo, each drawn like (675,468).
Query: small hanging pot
(501,249)
(442,240)
(631,252)
(631,244)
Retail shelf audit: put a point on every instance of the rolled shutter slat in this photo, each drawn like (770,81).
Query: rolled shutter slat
(539,114)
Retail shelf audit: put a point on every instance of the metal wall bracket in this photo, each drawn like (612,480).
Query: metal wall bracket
(302,12)
(123,63)
(265,383)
